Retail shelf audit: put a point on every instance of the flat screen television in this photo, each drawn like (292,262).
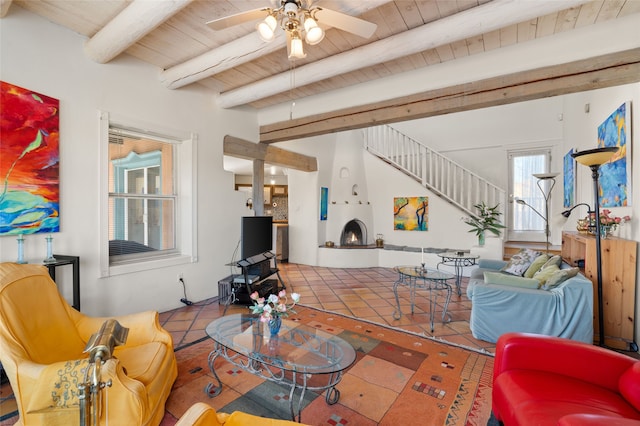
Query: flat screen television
(256,235)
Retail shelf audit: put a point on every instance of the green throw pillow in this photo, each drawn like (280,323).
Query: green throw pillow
(559,277)
(491,277)
(520,262)
(536,265)
(544,274)
(553,260)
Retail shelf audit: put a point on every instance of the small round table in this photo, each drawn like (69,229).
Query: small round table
(457,259)
(424,278)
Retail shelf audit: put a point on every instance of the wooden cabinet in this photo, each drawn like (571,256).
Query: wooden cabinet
(618,282)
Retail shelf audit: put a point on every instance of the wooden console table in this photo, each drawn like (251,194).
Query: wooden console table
(618,283)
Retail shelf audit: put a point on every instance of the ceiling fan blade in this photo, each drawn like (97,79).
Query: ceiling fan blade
(342,21)
(238,18)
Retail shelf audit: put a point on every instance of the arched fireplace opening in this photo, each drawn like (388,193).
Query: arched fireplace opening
(354,233)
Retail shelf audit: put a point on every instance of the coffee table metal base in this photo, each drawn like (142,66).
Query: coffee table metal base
(426,279)
(268,369)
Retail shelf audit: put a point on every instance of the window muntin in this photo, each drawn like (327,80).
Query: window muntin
(142,196)
(525,222)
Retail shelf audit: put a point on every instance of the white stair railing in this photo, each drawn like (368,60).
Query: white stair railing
(439,174)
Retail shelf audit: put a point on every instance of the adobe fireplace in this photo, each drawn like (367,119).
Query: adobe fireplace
(354,233)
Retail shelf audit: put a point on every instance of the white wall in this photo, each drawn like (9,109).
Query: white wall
(485,136)
(581,133)
(488,134)
(49,59)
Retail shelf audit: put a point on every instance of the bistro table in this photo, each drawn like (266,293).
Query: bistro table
(457,259)
(419,277)
(301,357)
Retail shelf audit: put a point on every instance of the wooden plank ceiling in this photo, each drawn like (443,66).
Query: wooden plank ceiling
(173,36)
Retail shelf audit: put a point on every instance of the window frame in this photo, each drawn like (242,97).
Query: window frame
(185,205)
(526,235)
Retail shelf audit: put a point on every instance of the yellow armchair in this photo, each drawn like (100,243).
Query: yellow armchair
(201,414)
(42,340)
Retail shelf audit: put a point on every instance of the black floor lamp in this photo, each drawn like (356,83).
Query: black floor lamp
(594,158)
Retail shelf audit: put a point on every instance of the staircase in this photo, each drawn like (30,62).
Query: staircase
(439,174)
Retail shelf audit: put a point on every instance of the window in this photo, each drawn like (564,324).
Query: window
(146,220)
(525,223)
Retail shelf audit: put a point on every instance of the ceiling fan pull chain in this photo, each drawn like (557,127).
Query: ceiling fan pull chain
(292,76)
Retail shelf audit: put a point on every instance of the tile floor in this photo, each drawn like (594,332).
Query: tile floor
(365,293)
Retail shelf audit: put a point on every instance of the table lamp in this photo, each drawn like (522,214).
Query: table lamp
(594,158)
(567,212)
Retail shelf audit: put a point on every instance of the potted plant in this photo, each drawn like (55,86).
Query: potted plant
(488,219)
(273,308)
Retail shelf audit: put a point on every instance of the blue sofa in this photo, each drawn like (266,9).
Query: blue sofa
(564,311)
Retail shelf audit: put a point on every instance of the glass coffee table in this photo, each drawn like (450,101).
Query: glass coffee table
(301,357)
(419,277)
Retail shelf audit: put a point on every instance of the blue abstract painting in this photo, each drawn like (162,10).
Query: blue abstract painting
(324,202)
(615,176)
(569,179)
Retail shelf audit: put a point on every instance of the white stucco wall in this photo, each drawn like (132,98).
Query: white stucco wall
(49,59)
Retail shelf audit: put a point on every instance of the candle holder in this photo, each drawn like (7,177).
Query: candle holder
(50,258)
(20,241)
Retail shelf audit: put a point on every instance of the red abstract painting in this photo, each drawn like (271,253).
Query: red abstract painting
(29,162)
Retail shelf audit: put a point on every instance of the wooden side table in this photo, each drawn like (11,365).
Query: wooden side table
(74,261)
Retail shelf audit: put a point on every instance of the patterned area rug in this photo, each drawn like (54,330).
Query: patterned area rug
(397,378)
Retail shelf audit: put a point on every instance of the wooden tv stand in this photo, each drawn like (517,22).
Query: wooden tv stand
(618,283)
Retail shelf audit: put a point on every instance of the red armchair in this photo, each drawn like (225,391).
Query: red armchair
(542,380)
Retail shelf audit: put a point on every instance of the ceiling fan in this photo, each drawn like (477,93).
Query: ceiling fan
(298,18)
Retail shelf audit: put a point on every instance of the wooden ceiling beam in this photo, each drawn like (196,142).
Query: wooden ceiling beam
(240,148)
(460,26)
(132,24)
(238,52)
(4,7)
(594,73)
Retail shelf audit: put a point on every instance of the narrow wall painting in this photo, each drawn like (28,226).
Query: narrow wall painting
(615,176)
(29,163)
(411,213)
(569,179)
(324,202)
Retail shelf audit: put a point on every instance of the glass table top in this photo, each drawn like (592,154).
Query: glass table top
(297,347)
(425,273)
(458,255)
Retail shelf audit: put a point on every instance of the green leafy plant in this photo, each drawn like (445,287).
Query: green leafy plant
(488,219)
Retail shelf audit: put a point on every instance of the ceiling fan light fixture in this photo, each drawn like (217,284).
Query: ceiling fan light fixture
(295,47)
(313,33)
(266,28)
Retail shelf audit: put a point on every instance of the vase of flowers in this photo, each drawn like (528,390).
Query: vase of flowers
(273,308)
(609,223)
(487,220)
